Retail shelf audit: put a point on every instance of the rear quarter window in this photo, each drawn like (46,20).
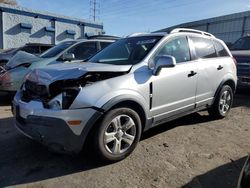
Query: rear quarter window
(220,49)
(204,48)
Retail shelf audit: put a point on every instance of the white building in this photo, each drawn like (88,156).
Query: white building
(19,26)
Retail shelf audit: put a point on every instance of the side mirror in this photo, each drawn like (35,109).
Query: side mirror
(164,61)
(68,57)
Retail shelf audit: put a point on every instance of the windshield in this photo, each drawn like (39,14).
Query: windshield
(54,51)
(127,51)
(241,44)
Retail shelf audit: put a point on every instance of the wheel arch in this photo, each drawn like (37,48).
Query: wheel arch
(134,104)
(229,82)
(129,102)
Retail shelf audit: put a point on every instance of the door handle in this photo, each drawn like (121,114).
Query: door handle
(220,67)
(192,73)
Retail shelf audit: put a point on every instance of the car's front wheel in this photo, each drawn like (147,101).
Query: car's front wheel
(222,103)
(118,134)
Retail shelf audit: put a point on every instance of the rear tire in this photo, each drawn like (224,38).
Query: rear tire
(117,135)
(222,103)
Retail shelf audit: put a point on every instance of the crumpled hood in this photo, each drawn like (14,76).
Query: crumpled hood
(20,58)
(71,71)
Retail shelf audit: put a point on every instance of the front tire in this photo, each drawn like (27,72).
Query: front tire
(222,103)
(117,135)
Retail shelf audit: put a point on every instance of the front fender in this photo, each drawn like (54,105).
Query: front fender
(107,102)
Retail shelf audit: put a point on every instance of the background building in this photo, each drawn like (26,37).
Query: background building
(19,26)
(228,28)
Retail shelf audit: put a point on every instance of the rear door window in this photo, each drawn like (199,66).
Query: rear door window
(44,48)
(104,44)
(84,50)
(204,48)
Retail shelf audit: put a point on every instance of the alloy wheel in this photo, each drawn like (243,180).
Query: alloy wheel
(225,102)
(119,134)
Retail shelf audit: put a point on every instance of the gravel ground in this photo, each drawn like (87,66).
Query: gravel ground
(194,151)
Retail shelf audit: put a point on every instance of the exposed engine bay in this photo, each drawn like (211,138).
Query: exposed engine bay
(69,88)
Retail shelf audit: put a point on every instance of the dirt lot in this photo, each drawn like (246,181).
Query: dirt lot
(194,151)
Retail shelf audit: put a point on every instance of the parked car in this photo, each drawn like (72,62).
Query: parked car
(244,179)
(241,52)
(33,48)
(18,67)
(134,84)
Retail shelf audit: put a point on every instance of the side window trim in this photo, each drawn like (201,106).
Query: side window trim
(98,46)
(192,49)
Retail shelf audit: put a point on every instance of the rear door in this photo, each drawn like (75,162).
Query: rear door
(210,69)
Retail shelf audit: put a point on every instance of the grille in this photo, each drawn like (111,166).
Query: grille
(34,91)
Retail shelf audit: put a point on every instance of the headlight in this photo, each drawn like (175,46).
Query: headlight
(68,96)
(63,100)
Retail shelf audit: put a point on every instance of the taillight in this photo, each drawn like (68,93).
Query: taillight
(235,61)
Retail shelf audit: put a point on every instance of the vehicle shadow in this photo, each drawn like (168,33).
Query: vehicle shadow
(6,99)
(242,98)
(25,161)
(191,119)
(223,176)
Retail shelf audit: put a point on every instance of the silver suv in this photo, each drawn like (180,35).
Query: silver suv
(134,84)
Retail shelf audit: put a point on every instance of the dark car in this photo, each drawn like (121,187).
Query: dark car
(33,48)
(244,179)
(241,52)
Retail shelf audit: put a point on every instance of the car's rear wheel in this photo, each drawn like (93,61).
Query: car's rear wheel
(117,135)
(222,103)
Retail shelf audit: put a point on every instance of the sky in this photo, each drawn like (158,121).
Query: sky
(123,17)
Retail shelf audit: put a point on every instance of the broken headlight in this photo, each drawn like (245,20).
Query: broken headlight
(68,97)
(63,100)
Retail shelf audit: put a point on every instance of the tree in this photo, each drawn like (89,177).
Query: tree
(10,2)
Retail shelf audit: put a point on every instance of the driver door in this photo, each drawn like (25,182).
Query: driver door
(174,88)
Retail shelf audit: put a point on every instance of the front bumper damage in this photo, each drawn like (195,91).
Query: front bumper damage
(51,128)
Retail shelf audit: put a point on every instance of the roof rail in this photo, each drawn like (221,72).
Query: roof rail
(107,37)
(178,30)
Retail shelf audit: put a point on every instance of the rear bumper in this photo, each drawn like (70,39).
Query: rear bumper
(50,127)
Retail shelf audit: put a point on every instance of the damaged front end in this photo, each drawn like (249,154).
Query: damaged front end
(59,90)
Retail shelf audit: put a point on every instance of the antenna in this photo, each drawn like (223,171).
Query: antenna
(94,9)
